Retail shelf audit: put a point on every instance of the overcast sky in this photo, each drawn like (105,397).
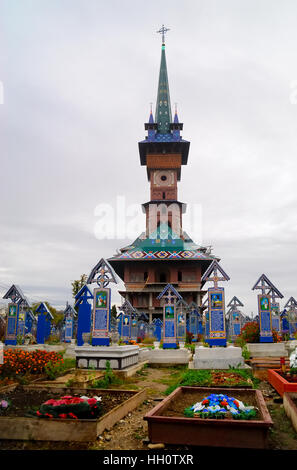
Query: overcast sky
(78,78)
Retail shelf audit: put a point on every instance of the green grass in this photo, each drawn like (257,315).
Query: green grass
(203,378)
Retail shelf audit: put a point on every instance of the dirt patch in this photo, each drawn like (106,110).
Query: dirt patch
(22,401)
(289,378)
(177,406)
(229,380)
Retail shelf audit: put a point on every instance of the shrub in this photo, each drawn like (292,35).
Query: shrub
(200,338)
(276,336)
(250,333)
(149,340)
(189,337)
(109,378)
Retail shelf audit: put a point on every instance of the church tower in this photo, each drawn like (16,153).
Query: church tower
(163,253)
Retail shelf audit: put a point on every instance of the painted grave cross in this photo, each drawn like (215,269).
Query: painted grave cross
(84,313)
(194,323)
(69,323)
(264,307)
(169,295)
(23,313)
(182,309)
(103,275)
(235,318)
(291,307)
(275,309)
(128,313)
(43,323)
(16,296)
(216,304)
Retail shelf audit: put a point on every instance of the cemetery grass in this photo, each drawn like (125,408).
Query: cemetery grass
(130,433)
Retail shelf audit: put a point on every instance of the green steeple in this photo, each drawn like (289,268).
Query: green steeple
(163,107)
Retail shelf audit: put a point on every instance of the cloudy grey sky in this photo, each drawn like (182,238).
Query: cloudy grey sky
(78,78)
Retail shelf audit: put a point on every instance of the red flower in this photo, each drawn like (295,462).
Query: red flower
(63,416)
(51,402)
(72,415)
(205,402)
(92,401)
(75,400)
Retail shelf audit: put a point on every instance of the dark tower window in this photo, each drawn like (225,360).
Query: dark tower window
(179,276)
(145,276)
(164,195)
(163,277)
(163,177)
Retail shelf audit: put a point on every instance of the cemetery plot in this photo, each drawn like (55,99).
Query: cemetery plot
(16,421)
(282,382)
(290,406)
(167,423)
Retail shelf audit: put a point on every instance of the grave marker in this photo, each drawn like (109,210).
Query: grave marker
(169,295)
(126,319)
(264,307)
(43,323)
(181,318)
(103,275)
(15,294)
(84,313)
(216,305)
(235,318)
(69,323)
(291,307)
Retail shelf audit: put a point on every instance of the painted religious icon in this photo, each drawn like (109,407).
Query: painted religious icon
(181,319)
(101,299)
(169,311)
(21,317)
(264,303)
(12,310)
(216,300)
(126,320)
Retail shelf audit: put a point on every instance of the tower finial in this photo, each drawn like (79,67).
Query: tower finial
(163,31)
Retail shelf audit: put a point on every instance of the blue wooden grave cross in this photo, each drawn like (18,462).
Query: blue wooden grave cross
(43,323)
(169,296)
(84,313)
(16,296)
(102,274)
(216,305)
(264,307)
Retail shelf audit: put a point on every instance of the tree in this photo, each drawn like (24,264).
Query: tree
(78,284)
(113,312)
(57,314)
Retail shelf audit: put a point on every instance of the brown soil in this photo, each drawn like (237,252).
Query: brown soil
(289,378)
(177,406)
(229,380)
(24,401)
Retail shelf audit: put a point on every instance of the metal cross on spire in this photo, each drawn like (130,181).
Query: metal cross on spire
(163,31)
